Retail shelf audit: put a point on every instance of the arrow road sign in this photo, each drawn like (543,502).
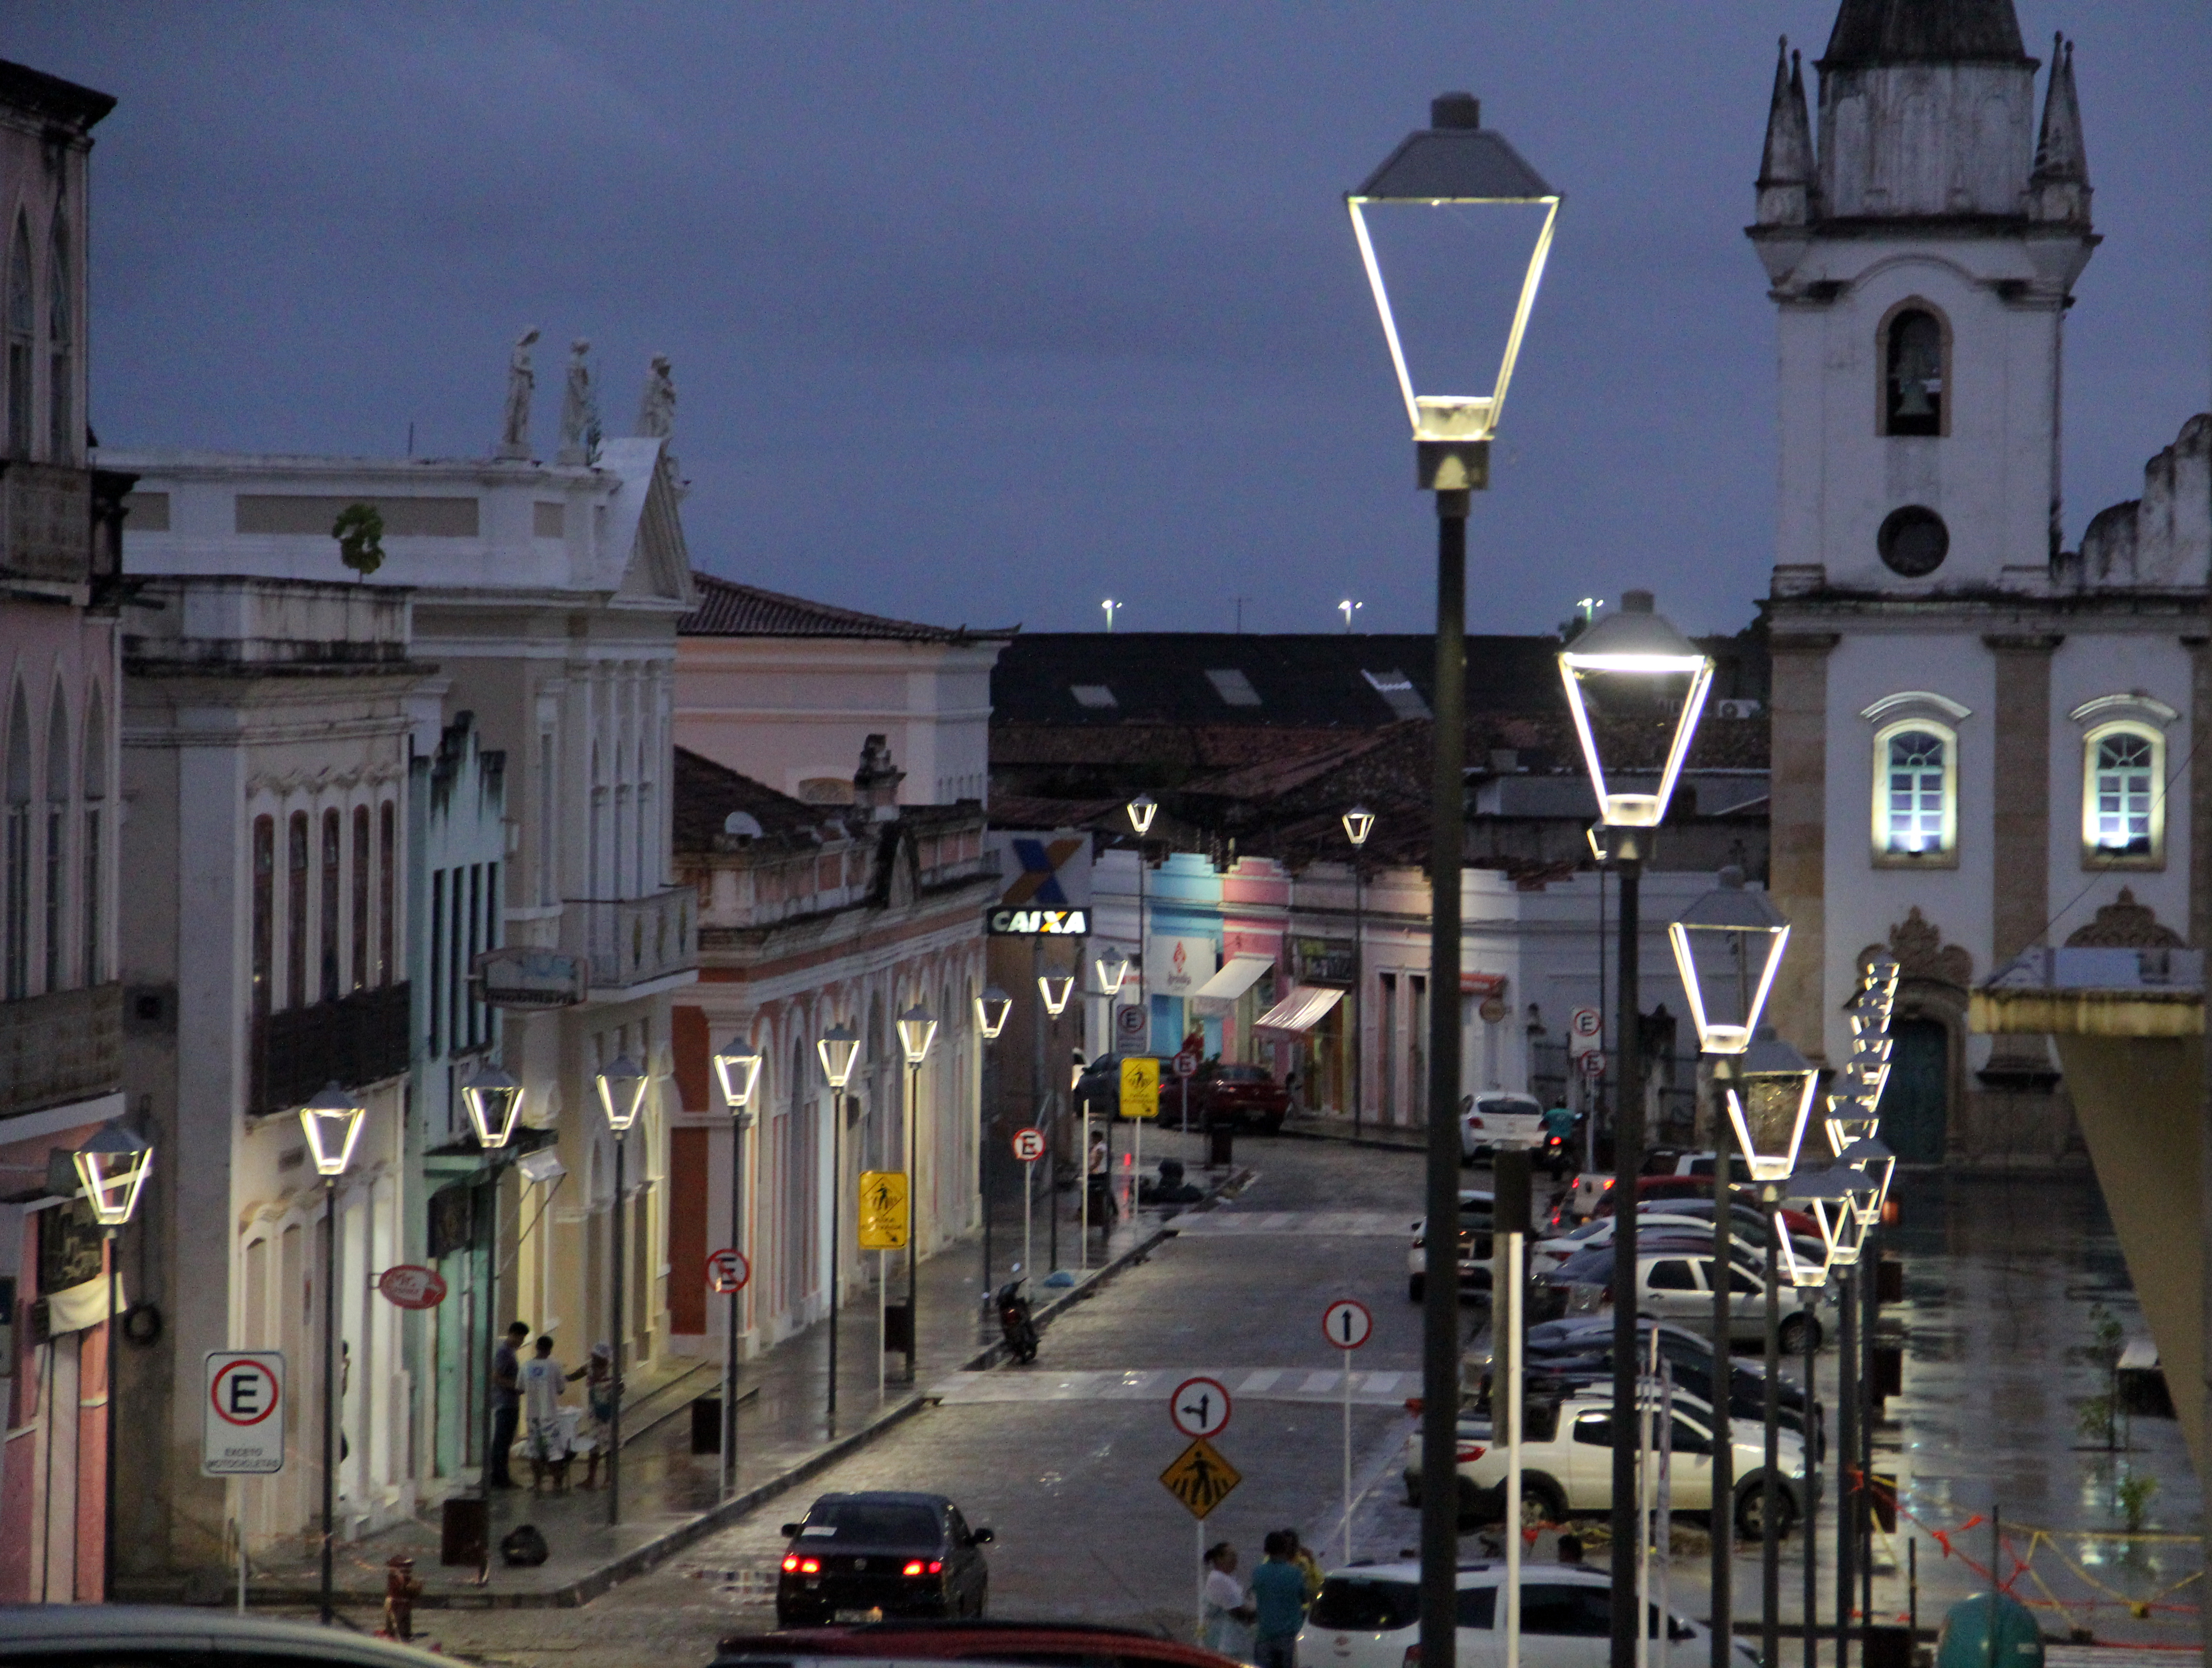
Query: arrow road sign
(1028,1145)
(1347,1323)
(243,1417)
(1201,1478)
(728,1271)
(1199,1407)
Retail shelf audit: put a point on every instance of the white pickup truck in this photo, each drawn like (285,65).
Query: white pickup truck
(1494,1121)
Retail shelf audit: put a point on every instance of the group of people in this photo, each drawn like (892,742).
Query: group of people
(525,1395)
(1262,1627)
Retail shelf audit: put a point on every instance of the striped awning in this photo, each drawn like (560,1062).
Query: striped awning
(1300,1011)
(1239,975)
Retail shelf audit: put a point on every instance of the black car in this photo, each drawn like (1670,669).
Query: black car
(864,1557)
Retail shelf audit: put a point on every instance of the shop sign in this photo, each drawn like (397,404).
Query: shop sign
(1001,922)
(1324,961)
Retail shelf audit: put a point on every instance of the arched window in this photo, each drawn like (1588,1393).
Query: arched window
(92,866)
(22,320)
(327,937)
(265,950)
(362,863)
(60,340)
(387,843)
(295,912)
(1914,360)
(2124,797)
(56,931)
(1915,793)
(16,949)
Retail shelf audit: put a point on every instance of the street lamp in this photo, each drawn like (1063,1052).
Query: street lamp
(331,1121)
(112,1167)
(621,1087)
(493,1100)
(1141,811)
(1635,687)
(1477,180)
(1056,988)
(836,1048)
(1358,824)
(917,1030)
(738,1069)
(1769,1102)
(1876,1164)
(992,1009)
(1828,1196)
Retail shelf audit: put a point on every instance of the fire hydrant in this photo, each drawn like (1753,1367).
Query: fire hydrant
(401,1590)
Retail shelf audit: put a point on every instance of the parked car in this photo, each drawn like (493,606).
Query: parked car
(1246,1096)
(1368,1616)
(1684,1345)
(1671,1193)
(1566,1465)
(1099,1087)
(1749,1229)
(1679,1162)
(1476,1254)
(103,1635)
(862,1557)
(1580,1200)
(1674,1282)
(1559,1366)
(1471,1432)
(1493,1122)
(1050,1644)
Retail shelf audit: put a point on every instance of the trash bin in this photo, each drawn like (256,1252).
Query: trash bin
(465,1531)
(898,1332)
(1964,1642)
(1221,1144)
(707,1425)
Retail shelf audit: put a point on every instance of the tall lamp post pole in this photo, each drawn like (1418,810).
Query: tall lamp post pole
(1112,971)
(837,1047)
(112,1167)
(1141,811)
(738,1069)
(917,1030)
(493,1100)
(1055,988)
(1358,824)
(621,1088)
(332,1123)
(1453,162)
(991,1008)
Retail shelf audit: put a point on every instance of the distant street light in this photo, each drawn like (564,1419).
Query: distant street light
(836,1048)
(1358,824)
(917,1030)
(333,1123)
(622,1085)
(113,1167)
(1112,608)
(737,1069)
(1348,608)
(1769,1102)
(1727,948)
(493,1100)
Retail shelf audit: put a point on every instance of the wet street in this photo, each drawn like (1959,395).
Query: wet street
(2003,1279)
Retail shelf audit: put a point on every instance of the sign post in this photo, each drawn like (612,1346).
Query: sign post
(1586,1055)
(1200,1477)
(1140,1100)
(1028,1147)
(728,1271)
(882,1229)
(1347,1323)
(242,1420)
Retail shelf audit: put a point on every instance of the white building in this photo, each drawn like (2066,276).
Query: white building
(1975,733)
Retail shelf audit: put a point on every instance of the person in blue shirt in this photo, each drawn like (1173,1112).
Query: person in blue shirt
(1279,1598)
(1559,1121)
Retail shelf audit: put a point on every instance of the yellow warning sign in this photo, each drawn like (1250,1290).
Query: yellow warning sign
(883,1209)
(1201,1478)
(1140,1091)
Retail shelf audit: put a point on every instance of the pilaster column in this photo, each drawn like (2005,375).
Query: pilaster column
(1798,849)
(2020,810)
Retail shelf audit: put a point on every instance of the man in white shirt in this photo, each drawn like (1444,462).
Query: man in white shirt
(546,1440)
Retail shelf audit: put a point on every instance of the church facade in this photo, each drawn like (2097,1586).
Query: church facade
(1982,741)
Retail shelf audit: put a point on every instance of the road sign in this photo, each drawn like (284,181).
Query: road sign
(1199,1407)
(1140,1087)
(242,1420)
(1186,1064)
(1347,1323)
(1201,1478)
(1028,1145)
(1130,1021)
(728,1271)
(883,1209)
(409,1286)
(1591,1064)
(1585,1030)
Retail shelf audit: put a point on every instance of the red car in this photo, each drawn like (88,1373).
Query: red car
(1245,1096)
(1050,1644)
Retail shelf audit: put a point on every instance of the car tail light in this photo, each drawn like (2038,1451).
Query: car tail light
(916,1566)
(795,1564)
(1414,1404)
(790,1563)
(1608,1188)
(1473,1123)
(1472,1451)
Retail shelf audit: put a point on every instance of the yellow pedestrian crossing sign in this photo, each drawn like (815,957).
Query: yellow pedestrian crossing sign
(1140,1089)
(1201,1478)
(883,1209)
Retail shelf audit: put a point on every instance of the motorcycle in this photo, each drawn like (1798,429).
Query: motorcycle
(1014,1323)
(1555,1156)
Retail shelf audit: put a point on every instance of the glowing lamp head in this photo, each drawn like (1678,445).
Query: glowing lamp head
(1826,1198)
(1875,1165)
(1635,688)
(1056,988)
(494,1101)
(917,1030)
(1358,824)
(1142,810)
(1075,1068)
(838,1047)
(333,1123)
(1112,969)
(1769,1101)
(1728,948)
(621,1087)
(992,1009)
(113,1167)
(737,1067)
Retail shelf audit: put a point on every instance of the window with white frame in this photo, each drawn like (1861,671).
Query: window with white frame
(1915,793)
(2124,797)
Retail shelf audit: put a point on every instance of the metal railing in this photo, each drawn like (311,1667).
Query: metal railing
(46,522)
(64,1047)
(355,1040)
(633,940)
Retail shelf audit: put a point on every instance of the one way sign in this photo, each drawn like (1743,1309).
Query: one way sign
(243,1417)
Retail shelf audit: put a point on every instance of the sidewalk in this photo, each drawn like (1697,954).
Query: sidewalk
(785,1434)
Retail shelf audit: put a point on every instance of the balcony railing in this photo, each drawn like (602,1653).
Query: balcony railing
(46,522)
(633,940)
(59,1048)
(354,1040)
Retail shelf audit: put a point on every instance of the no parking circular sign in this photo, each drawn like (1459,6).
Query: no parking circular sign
(243,1416)
(1028,1145)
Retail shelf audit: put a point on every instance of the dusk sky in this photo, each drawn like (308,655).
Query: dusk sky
(982,313)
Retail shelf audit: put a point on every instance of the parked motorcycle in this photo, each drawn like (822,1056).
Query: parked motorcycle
(1015,1323)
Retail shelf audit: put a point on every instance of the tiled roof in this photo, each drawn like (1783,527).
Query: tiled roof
(707,794)
(728,609)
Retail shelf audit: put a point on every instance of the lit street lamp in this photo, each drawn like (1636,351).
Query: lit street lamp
(1358,824)
(992,1009)
(621,1088)
(836,1048)
(1769,1102)
(112,1167)
(1470,173)
(331,1121)
(1056,988)
(493,1101)
(1828,1197)
(917,1030)
(738,1069)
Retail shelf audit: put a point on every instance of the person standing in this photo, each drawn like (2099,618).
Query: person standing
(1309,1565)
(543,1438)
(1226,1628)
(598,1376)
(1278,1603)
(505,1403)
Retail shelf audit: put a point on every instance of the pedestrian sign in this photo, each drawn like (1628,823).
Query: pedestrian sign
(1201,1478)
(1140,1087)
(242,1418)
(883,1209)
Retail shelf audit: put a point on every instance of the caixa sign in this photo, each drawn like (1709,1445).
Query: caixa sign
(1002,922)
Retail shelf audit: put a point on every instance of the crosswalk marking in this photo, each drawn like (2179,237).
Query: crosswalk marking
(1277,1384)
(1311,1224)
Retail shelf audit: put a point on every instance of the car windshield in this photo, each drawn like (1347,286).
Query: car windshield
(1364,1605)
(873,1523)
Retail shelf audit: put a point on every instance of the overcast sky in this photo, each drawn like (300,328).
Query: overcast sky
(982,313)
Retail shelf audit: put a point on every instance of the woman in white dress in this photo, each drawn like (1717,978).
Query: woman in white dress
(1228,1614)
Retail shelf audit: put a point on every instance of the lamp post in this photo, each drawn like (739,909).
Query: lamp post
(493,1101)
(1454,164)
(991,1008)
(836,1048)
(1358,824)
(1141,811)
(621,1087)
(738,1069)
(1113,972)
(1728,946)
(1056,988)
(333,1123)
(917,1030)
(112,1167)
(1828,1196)
(1631,681)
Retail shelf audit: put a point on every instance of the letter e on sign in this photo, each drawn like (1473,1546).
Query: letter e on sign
(243,1415)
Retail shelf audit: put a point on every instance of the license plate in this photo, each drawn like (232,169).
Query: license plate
(869,1614)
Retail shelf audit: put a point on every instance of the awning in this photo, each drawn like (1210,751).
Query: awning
(1300,1011)
(1239,975)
